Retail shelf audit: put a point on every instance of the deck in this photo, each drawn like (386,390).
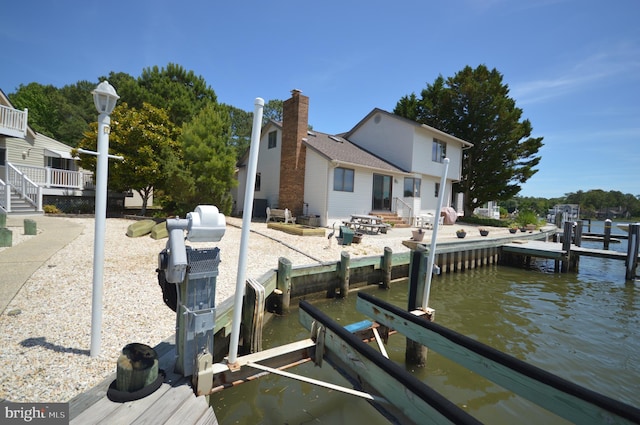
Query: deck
(173,403)
(553,250)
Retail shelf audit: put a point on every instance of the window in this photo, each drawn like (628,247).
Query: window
(437,190)
(343,179)
(256,187)
(272,139)
(3,153)
(438,151)
(411,187)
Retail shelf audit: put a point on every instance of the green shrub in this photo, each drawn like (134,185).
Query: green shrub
(485,221)
(51,209)
(526,217)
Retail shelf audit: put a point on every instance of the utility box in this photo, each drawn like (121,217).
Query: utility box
(196,311)
(346,234)
(6,237)
(30,227)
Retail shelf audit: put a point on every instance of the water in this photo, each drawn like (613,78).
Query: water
(584,327)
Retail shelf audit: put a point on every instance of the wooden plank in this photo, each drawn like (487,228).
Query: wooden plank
(410,401)
(163,408)
(190,412)
(537,249)
(553,393)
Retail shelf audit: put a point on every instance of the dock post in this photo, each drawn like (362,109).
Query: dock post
(387,267)
(416,353)
(283,283)
(345,260)
(631,262)
(574,261)
(566,244)
(607,233)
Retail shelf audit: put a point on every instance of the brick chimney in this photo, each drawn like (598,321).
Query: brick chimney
(295,122)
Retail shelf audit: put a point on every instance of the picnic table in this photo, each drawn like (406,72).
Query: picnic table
(368,223)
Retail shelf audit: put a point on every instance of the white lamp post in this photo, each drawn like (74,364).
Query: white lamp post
(104,97)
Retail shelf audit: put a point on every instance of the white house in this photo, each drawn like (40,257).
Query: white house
(384,164)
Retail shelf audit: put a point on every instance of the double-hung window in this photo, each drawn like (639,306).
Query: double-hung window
(272,139)
(411,187)
(438,151)
(343,179)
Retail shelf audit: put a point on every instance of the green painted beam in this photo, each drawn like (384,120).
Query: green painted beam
(564,398)
(409,399)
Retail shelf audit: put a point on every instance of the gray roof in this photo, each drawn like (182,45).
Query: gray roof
(337,148)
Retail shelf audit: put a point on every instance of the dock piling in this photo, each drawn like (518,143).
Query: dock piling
(631,262)
(607,233)
(284,283)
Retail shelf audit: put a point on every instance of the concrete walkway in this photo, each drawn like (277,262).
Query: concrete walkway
(19,262)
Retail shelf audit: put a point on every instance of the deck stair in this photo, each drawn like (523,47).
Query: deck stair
(391,218)
(19,206)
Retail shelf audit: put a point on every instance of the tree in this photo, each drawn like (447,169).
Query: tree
(148,142)
(181,93)
(474,106)
(241,125)
(209,159)
(272,111)
(43,103)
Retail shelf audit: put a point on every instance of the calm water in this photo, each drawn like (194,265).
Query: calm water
(584,327)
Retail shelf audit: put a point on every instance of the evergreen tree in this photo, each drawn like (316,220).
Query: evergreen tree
(475,106)
(209,160)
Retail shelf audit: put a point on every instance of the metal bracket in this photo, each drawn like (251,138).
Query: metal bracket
(317,336)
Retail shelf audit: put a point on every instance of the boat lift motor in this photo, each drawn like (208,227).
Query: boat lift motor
(193,272)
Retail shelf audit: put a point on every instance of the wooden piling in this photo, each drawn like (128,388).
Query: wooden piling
(631,262)
(416,354)
(387,267)
(566,244)
(345,260)
(607,233)
(283,283)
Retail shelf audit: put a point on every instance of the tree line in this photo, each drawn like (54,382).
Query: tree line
(595,203)
(180,143)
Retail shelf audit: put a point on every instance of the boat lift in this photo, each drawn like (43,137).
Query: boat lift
(397,394)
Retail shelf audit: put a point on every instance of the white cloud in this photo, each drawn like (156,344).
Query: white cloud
(617,62)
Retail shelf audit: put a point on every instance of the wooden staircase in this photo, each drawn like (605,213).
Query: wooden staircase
(391,218)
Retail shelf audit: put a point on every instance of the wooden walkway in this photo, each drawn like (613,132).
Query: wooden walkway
(553,250)
(173,403)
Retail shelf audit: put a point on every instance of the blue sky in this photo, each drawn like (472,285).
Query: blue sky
(573,66)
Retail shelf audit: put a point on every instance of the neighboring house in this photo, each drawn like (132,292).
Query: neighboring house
(490,209)
(386,164)
(34,168)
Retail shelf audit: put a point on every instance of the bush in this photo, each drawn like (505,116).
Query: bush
(526,217)
(51,209)
(485,221)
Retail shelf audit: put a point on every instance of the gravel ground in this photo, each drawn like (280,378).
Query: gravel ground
(44,346)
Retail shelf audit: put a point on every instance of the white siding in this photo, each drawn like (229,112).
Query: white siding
(269,168)
(316,185)
(343,204)
(388,138)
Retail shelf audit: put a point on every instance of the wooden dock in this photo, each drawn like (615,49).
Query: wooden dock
(555,251)
(173,403)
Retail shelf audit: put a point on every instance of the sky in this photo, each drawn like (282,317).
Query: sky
(572,66)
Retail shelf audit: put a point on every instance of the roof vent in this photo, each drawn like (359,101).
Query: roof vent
(311,133)
(336,139)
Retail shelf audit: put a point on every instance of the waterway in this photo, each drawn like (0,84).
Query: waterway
(584,327)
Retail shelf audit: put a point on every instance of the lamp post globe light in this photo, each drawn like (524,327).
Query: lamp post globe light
(104,98)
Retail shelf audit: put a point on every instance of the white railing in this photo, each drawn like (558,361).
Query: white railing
(56,178)
(26,188)
(13,122)
(403,210)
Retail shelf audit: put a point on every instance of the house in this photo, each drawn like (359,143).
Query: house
(36,169)
(385,164)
